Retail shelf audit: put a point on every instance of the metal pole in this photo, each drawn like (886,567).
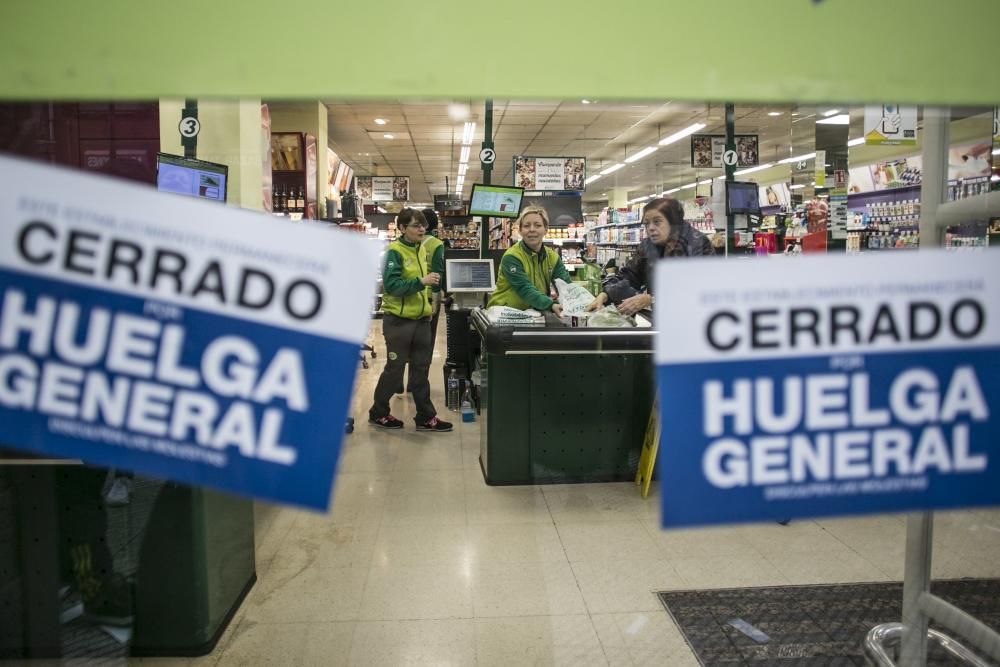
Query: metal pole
(730,177)
(935,166)
(484,230)
(916,582)
(190,144)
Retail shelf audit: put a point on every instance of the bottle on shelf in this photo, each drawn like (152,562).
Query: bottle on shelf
(452,402)
(467,413)
(300,200)
(279,200)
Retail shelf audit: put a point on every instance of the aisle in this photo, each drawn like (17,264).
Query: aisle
(421,563)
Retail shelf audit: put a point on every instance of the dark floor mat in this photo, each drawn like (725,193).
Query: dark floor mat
(810,626)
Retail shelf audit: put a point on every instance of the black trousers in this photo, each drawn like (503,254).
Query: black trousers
(434,334)
(406,342)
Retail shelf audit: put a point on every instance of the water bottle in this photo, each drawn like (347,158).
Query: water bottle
(452,401)
(467,414)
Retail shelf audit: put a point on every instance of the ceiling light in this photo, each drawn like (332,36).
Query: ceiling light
(842,119)
(827,114)
(706,182)
(751,170)
(773,113)
(677,136)
(688,186)
(719,178)
(381,121)
(612,168)
(388,136)
(462,168)
(637,200)
(670,192)
(643,153)
(994,178)
(591,179)
(467,133)
(465,154)
(996,151)
(856,142)
(796,187)
(458,111)
(797,158)
(585,101)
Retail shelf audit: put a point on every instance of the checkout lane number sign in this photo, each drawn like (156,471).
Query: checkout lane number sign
(175,337)
(828,386)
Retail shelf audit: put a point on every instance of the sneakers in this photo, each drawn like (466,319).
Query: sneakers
(387,422)
(120,492)
(435,425)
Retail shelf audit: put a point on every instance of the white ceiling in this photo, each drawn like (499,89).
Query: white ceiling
(427,139)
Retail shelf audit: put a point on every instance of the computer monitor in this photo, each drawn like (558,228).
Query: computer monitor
(469,275)
(742,198)
(564,209)
(498,201)
(194,178)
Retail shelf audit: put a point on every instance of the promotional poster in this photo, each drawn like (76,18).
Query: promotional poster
(838,385)
(174,337)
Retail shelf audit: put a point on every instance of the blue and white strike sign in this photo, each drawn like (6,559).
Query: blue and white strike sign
(828,385)
(174,337)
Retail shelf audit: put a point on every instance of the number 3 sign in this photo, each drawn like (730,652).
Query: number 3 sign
(189,127)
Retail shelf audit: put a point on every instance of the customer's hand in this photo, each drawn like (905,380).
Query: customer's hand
(634,304)
(557,310)
(598,303)
(431,279)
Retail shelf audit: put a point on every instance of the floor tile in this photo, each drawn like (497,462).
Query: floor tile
(427,642)
(316,644)
(593,502)
(417,593)
(796,537)
(834,565)
(430,451)
(700,542)
(409,545)
(424,510)
(525,590)
(308,595)
(326,545)
(538,641)
(625,585)
(750,569)
(643,639)
(516,543)
(417,482)
(607,541)
(507,505)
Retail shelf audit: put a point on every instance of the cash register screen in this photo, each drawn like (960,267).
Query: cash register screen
(469,275)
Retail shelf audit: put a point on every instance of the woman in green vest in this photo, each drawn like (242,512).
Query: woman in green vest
(406,324)
(435,253)
(528,269)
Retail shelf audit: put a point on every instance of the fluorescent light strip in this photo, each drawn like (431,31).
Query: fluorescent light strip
(677,136)
(797,158)
(689,186)
(641,154)
(637,200)
(612,168)
(462,168)
(796,187)
(669,192)
(996,151)
(859,141)
(465,154)
(842,119)
(467,132)
(591,179)
(827,114)
(705,182)
(751,170)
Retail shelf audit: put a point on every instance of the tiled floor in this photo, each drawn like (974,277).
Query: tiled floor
(421,563)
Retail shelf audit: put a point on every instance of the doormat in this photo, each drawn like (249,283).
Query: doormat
(809,626)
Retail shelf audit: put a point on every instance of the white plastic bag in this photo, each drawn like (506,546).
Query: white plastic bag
(610,317)
(573,297)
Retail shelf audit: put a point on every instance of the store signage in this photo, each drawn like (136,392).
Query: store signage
(382,188)
(890,125)
(487,156)
(550,173)
(708,150)
(448,203)
(175,337)
(820,175)
(189,127)
(839,211)
(827,387)
(729,158)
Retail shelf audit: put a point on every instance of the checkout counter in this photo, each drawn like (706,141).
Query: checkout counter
(561,404)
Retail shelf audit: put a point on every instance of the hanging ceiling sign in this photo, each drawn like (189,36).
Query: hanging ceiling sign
(708,151)
(550,173)
(382,188)
(890,125)
(830,387)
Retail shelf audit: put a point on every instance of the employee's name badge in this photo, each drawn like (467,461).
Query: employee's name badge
(829,385)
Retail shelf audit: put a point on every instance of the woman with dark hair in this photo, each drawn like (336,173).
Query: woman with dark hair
(667,235)
(406,307)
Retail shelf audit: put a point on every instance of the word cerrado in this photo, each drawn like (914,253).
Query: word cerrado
(826,427)
(126,371)
(125,262)
(797,327)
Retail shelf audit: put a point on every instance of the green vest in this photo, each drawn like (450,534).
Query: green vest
(432,243)
(539,273)
(414,264)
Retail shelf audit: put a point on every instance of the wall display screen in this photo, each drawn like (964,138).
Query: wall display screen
(742,198)
(563,209)
(498,201)
(194,178)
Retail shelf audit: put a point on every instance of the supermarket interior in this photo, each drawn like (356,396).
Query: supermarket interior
(481,464)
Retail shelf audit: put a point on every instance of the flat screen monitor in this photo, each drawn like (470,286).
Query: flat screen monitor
(742,198)
(469,275)
(563,209)
(498,201)
(194,178)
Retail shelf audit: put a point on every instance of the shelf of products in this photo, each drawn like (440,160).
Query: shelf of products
(885,225)
(969,236)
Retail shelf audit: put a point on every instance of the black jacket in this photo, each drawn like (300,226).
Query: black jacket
(637,276)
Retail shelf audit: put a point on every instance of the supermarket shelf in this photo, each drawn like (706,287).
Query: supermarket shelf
(612,224)
(564,241)
(617,245)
